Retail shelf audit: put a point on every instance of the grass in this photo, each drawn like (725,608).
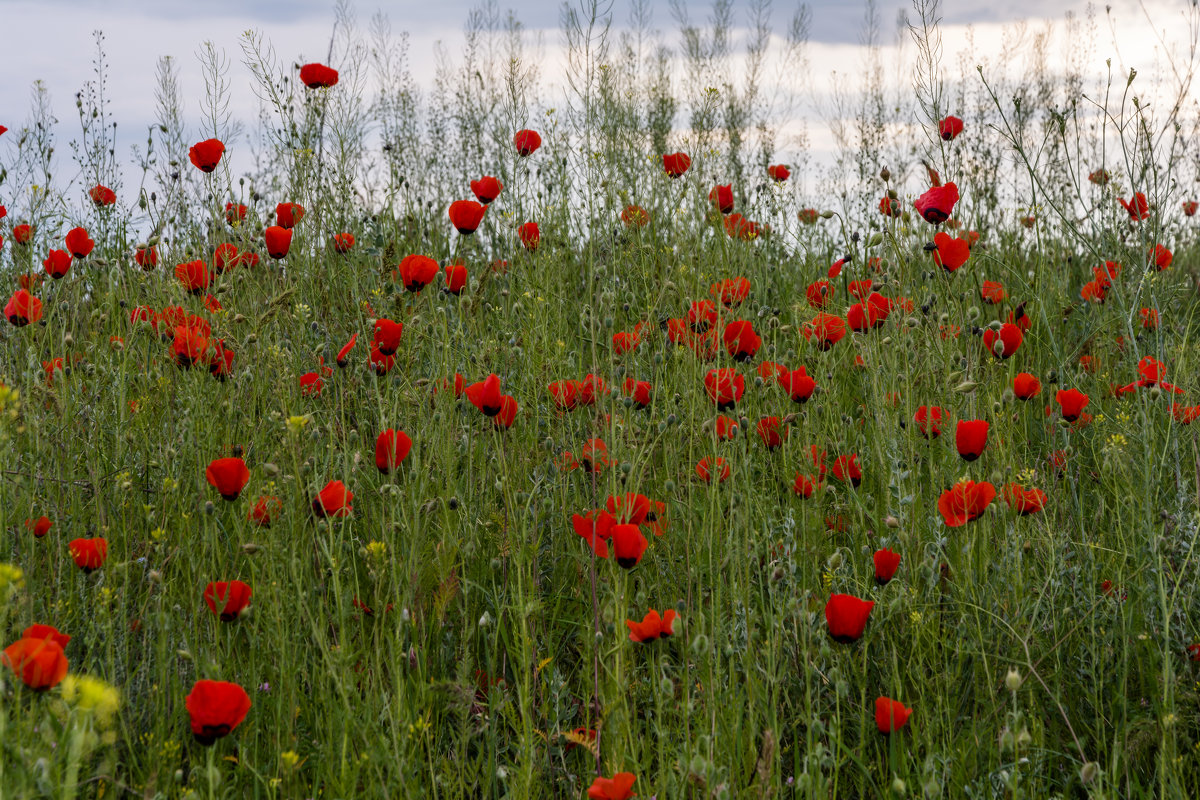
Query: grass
(453,636)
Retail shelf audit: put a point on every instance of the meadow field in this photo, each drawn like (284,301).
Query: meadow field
(494,440)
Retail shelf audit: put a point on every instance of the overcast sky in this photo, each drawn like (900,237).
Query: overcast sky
(51,40)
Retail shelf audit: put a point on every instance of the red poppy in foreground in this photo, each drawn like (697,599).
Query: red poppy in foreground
(465,215)
(1004,342)
(485,395)
(39,662)
(618,787)
(391,448)
(825,330)
(731,291)
(102,195)
(937,204)
(628,545)
(970,437)
(526,142)
(318,76)
(741,342)
(79,244)
(508,412)
(194,276)
(1026,386)
(950,127)
(227,599)
(890,715)
(675,164)
(778,173)
(1161,257)
(652,626)
(417,272)
(146,257)
(89,554)
(207,154)
(22,234)
(57,263)
(1138,208)
(1072,402)
(23,308)
(722,198)
(333,501)
(288,214)
(965,502)
(725,387)
(216,708)
(487,189)
(846,617)
(387,335)
(278,240)
(529,235)
(886,564)
(228,476)
(951,252)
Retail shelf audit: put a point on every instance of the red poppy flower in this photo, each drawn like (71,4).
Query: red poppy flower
(741,342)
(225,256)
(635,216)
(707,467)
(702,314)
(798,385)
(387,335)
(772,432)
(343,242)
(1024,501)
(565,394)
(235,212)
(278,241)
(595,528)
(638,391)
(1194,651)
(1149,318)
(78,243)
(731,292)
(1185,415)
(486,189)
(102,195)
(391,448)
(722,198)
(725,428)
(950,127)
(485,395)
(227,599)
(288,214)
(526,142)
(1138,208)
(23,308)
(929,420)
(1161,257)
(465,215)
(804,485)
(189,346)
(193,275)
(1190,207)
(846,469)
(1100,177)
(951,253)
(417,272)
(825,330)
(146,257)
(318,76)
(937,204)
(965,502)
(39,662)
(529,235)
(890,206)
(625,341)
(778,173)
(890,715)
(456,278)
(216,708)
(311,384)
(628,544)
(220,362)
(618,787)
(819,293)
(652,626)
(333,501)
(886,564)
(1072,402)
(970,437)
(846,617)
(39,631)
(40,526)
(808,215)
(1005,342)
(22,234)
(57,263)
(228,476)
(265,509)
(207,154)
(992,292)
(89,554)
(508,412)
(725,387)
(675,164)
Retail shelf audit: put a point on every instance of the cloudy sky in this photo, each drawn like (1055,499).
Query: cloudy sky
(139,31)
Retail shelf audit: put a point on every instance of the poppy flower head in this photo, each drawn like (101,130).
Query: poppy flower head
(721,198)
(798,384)
(890,715)
(618,787)
(465,215)
(804,485)
(102,195)
(846,469)
(1005,342)
(507,414)
(772,432)
(193,275)
(725,387)
(526,142)
(937,204)
(635,216)
(387,335)
(1138,208)
(1024,501)
(846,617)
(40,526)
(278,240)
(288,214)
(1071,402)
(22,234)
(1190,207)
(207,154)
(950,127)
(886,564)
(1100,177)
(57,263)
(970,437)
(228,476)
(529,235)
(778,173)
(825,330)
(1161,257)
(266,509)
(318,76)
(40,631)
(929,420)
(417,271)
(227,599)
(216,708)
(675,164)
(741,342)
(146,257)
(951,252)
(79,244)
(333,501)
(487,189)
(235,212)
(89,554)
(639,392)
(343,242)
(456,278)
(22,309)
(485,395)
(965,502)
(39,662)
(708,468)
(731,292)
(391,448)
(628,545)
(652,626)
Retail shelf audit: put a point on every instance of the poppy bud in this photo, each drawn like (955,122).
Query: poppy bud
(885,175)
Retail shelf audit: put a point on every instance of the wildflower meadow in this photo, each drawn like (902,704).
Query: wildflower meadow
(526,427)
